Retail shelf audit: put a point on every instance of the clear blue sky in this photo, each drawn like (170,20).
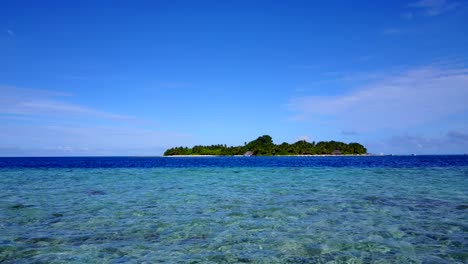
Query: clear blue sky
(136,77)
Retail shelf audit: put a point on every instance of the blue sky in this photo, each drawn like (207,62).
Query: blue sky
(137,77)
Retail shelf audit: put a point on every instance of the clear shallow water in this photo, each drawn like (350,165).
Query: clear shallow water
(235,210)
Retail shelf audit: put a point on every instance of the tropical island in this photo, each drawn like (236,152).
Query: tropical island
(264,146)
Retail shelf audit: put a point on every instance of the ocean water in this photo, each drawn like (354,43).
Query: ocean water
(234,210)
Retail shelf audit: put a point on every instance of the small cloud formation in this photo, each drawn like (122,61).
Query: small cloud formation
(433,7)
(9,32)
(66,149)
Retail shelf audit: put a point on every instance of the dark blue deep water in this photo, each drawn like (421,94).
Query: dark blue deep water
(370,209)
(223,162)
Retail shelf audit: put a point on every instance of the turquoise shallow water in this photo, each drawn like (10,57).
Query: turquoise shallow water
(234,215)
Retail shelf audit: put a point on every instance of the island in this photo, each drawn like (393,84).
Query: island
(264,146)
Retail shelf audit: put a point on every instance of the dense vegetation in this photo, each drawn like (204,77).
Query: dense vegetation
(264,146)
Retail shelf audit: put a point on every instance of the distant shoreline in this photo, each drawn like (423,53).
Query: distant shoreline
(321,155)
(264,146)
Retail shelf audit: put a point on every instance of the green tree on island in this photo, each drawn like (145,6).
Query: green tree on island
(264,146)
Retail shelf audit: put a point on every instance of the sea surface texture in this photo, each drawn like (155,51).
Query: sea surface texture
(390,209)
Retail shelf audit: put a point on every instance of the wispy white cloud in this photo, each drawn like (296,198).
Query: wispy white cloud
(31,102)
(410,98)
(347,78)
(433,7)
(9,32)
(422,8)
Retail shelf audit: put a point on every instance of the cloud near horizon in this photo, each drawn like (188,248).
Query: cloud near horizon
(395,105)
(44,123)
(452,142)
(411,98)
(81,140)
